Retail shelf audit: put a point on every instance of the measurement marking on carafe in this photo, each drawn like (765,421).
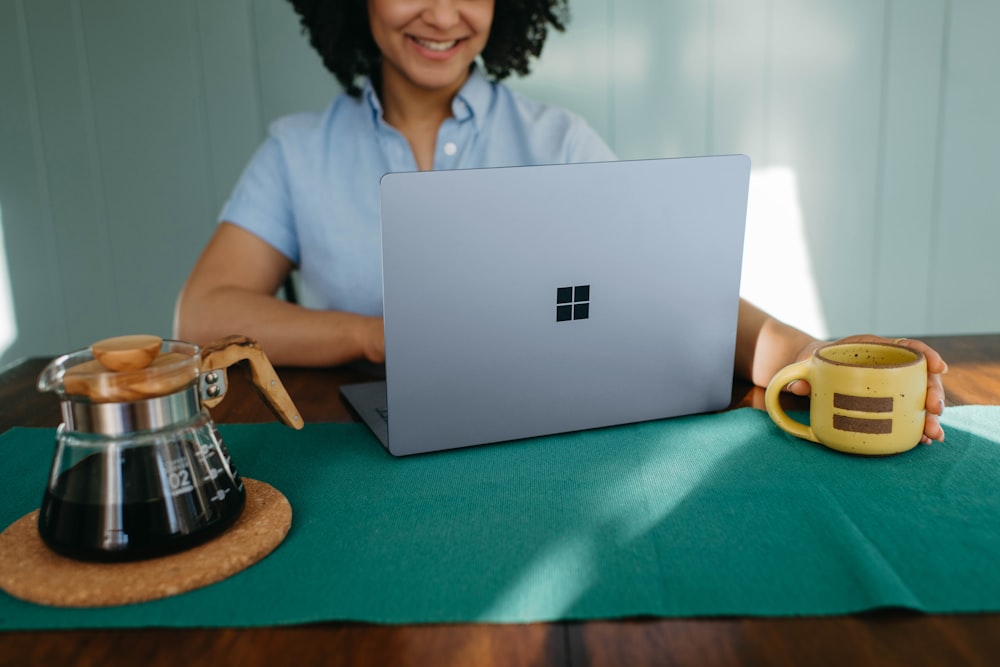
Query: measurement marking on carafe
(179,477)
(180,482)
(212,474)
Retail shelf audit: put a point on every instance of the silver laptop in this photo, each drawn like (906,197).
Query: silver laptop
(527,301)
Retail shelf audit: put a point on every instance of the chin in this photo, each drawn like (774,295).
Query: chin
(440,80)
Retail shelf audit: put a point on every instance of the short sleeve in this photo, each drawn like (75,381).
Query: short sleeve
(586,145)
(261,200)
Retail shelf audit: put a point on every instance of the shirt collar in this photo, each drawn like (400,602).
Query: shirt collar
(369,95)
(473,99)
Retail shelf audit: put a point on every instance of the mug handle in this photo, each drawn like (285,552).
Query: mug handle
(788,374)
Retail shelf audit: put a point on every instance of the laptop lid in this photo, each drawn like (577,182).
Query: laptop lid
(526,301)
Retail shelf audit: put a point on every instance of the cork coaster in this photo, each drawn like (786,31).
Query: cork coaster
(31,571)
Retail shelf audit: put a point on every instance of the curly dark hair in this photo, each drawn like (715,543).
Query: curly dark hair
(339,31)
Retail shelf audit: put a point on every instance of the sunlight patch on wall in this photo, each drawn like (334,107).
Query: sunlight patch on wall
(777,267)
(8,325)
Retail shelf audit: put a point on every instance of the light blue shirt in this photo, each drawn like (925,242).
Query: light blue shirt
(312,189)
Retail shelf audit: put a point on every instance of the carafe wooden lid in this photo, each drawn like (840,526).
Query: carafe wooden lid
(127,353)
(137,367)
(129,368)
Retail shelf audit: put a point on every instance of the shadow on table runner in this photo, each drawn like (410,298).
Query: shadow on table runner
(698,516)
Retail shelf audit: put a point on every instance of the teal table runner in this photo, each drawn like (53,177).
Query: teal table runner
(709,515)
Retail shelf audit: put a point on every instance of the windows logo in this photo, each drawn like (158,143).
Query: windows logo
(572,303)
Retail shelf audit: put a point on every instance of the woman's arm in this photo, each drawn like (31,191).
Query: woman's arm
(764,346)
(231,291)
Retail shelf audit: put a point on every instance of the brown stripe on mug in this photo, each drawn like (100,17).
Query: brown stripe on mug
(862,425)
(862,403)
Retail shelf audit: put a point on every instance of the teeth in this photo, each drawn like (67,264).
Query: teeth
(435,46)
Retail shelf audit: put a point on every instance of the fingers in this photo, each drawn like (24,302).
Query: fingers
(932,429)
(799,388)
(373,343)
(935,395)
(935,408)
(935,364)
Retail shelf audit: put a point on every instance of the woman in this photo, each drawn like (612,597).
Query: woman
(415,99)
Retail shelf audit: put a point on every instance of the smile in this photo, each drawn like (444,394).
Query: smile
(432,45)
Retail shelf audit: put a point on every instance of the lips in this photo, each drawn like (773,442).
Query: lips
(436,46)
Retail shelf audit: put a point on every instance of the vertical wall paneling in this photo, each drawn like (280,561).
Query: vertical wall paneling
(739,79)
(777,267)
(966,273)
(825,96)
(574,70)
(909,162)
(871,126)
(76,195)
(660,78)
(290,74)
(152,136)
(32,315)
(231,96)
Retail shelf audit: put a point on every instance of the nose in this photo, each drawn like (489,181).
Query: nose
(442,14)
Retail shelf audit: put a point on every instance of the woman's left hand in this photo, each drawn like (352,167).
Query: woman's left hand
(936,367)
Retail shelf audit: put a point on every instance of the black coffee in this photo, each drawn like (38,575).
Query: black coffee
(84,516)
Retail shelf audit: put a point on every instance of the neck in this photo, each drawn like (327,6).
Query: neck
(405,105)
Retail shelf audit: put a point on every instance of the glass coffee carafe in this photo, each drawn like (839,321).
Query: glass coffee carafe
(140,469)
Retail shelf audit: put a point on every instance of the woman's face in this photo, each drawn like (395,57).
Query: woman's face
(429,44)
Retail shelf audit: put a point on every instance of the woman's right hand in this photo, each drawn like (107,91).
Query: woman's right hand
(373,339)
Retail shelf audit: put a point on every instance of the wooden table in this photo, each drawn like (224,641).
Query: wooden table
(883,638)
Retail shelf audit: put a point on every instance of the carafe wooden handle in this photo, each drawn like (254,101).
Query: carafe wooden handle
(222,354)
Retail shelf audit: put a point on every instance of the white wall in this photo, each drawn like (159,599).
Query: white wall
(871,126)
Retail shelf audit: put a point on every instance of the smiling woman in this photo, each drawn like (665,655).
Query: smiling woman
(416,99)
(422,91)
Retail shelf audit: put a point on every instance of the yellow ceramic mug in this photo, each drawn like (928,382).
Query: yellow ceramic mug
(866,398)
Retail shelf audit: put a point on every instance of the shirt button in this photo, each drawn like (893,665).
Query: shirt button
(450,148)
